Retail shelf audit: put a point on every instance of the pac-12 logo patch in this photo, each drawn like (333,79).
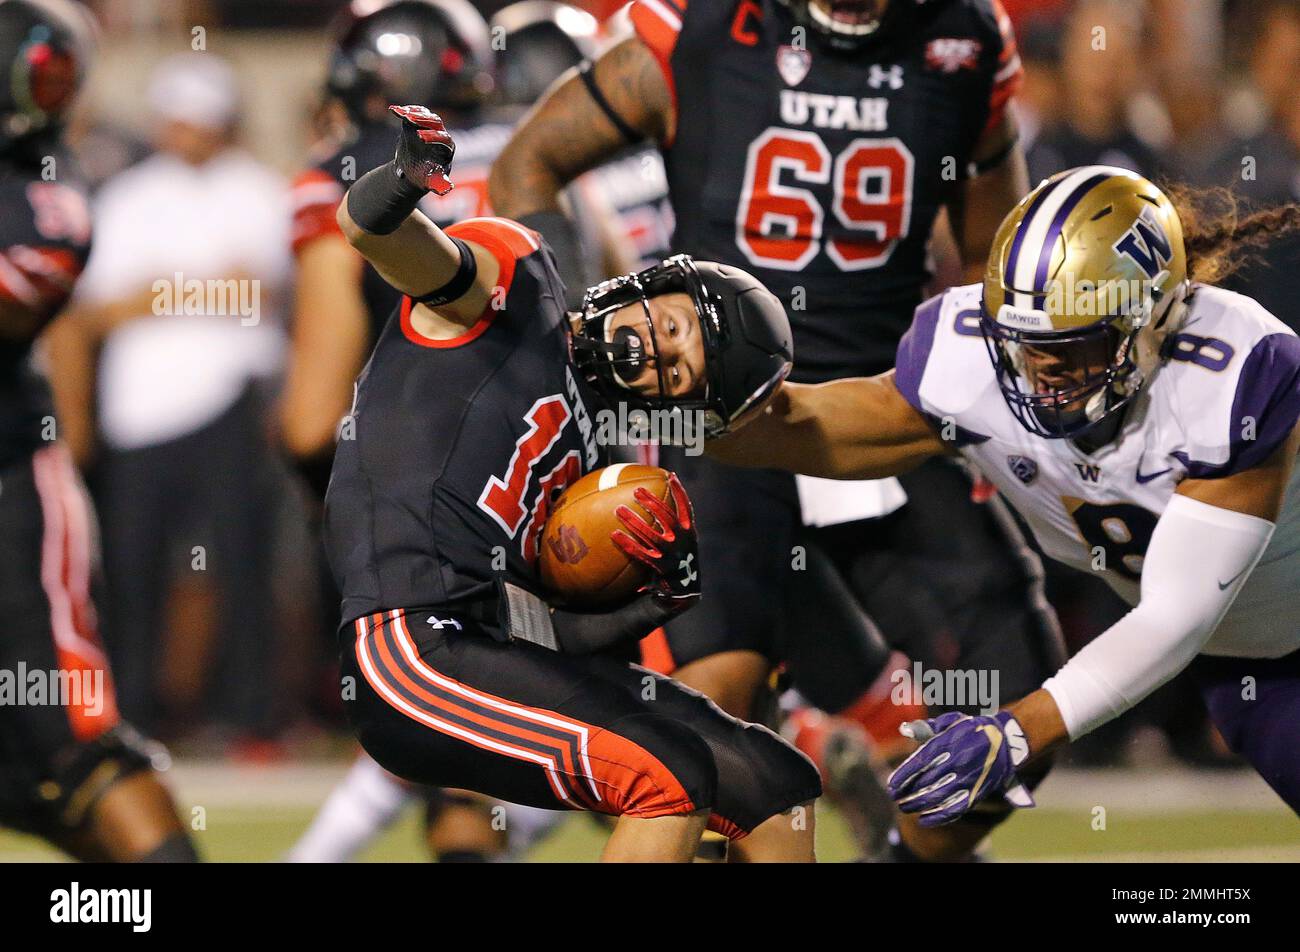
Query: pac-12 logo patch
(793,63)
(1023,468)
(951,53)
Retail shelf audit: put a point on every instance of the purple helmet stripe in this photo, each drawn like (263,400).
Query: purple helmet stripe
(1054,232)
(1025,222)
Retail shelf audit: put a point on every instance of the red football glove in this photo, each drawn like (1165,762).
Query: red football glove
(425,151)
(669,549)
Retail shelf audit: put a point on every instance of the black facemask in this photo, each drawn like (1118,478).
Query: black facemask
(743,329)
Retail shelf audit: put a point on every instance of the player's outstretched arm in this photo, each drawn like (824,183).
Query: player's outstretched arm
(983,200)
(568,132)
(1205,545)
(379,218)
(860,428)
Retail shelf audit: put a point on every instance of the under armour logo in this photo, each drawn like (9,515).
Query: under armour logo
(689,574)
(879,76)
(439,623)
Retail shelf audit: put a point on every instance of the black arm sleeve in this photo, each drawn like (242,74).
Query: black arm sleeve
(589,632)
(382,199)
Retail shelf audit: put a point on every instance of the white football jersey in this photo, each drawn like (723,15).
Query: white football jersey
(1224,401)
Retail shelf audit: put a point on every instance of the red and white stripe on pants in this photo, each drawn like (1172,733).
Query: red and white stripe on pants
(67,555)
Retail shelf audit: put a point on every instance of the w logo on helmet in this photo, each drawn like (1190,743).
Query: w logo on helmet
(1146,243)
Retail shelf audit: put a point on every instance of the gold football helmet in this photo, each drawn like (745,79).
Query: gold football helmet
(1085,281)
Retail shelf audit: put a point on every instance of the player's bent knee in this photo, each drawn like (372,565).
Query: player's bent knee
(648,765)
(82,775)
(769,778)
(795,780)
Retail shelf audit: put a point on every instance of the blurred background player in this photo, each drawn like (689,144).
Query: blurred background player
(71,770)
(181,316)
(857,123)
(620,208)
(417,51)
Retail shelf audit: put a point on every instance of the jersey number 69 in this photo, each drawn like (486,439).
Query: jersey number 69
(781,226)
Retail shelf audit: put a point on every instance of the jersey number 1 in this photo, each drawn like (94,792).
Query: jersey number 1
(780,226)
(503,497)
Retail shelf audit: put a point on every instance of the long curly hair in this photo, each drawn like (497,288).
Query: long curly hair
(1220,234)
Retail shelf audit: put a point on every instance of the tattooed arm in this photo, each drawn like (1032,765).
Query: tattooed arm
(567,132)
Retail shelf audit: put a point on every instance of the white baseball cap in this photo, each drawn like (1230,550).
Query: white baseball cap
(199,89)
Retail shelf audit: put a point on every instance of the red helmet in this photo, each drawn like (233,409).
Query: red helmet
(45,48)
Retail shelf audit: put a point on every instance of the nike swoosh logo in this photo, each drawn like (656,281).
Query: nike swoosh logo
(1224,585)
(1147,477)
(995,744)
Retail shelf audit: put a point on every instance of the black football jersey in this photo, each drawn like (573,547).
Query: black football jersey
(821,172)
(44,243)
(455,449)
(318,191)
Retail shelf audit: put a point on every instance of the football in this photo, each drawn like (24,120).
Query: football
(579,563)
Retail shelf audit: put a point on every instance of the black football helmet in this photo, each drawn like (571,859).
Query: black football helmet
(433,53)
(748,346)
(536,41)
(841,25)
(46,47)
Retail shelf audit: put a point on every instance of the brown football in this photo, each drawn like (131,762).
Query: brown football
(578,560)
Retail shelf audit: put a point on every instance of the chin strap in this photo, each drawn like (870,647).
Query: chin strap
(1151,348)
(1166,323)
(1176,311)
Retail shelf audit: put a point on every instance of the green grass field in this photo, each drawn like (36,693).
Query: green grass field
(1172,816)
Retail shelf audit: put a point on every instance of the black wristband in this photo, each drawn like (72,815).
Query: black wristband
(585,71)
(382,199)
(974,168)
(460,282)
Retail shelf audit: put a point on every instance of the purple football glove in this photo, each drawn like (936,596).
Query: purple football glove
(962,761)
